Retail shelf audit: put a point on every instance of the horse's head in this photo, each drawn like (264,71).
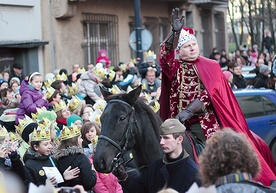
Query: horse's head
(117,120)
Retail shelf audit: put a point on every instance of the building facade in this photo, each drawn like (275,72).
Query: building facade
(61,33)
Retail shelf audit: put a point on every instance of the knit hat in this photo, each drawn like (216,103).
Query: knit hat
(227,74)
(263,68)
(50,115)
(186,34)
(72,119)
(171,126)
(2,80)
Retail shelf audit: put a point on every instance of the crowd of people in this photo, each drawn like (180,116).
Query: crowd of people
(50,124)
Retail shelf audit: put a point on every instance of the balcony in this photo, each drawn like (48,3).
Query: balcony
(209,2)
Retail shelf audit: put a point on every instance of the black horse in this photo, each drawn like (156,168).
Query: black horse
(128,125)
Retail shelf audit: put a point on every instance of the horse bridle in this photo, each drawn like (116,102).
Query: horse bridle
(117,160)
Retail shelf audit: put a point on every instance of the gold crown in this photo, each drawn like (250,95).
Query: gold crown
(62,77)
(50,91)
(95,116)
(40,134)
(23,123)
(3,131)
(45,124)
(95,141)
(144,87)
(69,132)
(99,71)
(48,82)
(100,104)
(59,106)
(15,136)
(74,103)
(38,110)
(73,90)
(147,97)
(111,74)
(155,106)
(134,61)
(115,90)
(123,67)
(81,70)
(150,53)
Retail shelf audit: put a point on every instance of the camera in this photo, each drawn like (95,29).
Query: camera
(68,190)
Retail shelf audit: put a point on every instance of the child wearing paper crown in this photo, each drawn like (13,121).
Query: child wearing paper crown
(32,96)
(70,153)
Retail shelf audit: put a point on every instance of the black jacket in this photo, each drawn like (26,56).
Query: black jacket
(143,69)
(239,81)
(261,81)
(75,157)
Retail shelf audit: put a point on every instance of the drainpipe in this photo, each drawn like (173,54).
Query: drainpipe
(52,38)
(88,43)
(138,30)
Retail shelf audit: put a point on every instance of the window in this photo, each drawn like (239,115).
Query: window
(255,106)
(100,32)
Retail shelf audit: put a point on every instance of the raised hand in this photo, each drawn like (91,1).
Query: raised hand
(70,174)
(176,22)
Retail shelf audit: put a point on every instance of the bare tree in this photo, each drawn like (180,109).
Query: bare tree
(231,14)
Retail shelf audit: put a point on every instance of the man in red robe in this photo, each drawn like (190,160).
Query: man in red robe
(195,91)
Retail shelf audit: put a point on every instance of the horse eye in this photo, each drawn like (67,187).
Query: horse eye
(122,118)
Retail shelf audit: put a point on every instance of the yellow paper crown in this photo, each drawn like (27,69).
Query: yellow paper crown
(48,82)
(115,90)
(23,123)
(15,136)
(123,67)
(3,131)
(147,97)
(59,106)
(95,116)
(95,141)
(111,74)
(155,106)
(150,53)
(134,61)
(100,104)
(45,124)
(62,77)
(74,103)
(69,132)
(73,90)
(38,110)
(50,91)
(40,134)
(81,70)
(99,71)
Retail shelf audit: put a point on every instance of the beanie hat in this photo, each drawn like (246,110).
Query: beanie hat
(28,130)
(263,68)
(186,34)
(171,126)
(50,115)
(227,74)
(72,119)
(2,80)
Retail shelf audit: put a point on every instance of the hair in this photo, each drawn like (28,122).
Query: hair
(4,92)
(69,143)
(84,106)
(85,129)
(14,82)
(53,96)
(33,143)
(59,114)
(5,71)
(57,84)
(227,152)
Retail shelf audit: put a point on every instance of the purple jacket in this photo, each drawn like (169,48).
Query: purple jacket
(30,100)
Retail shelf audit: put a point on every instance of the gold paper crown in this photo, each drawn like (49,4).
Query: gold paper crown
(111,74)
(69,132)
(3,131)
(150,53)
(48,82)
(73,90)
(100,104)
(115,90)
(95,116)
(147,97)
(134,61)
(62,77)
(40,134)
(23,123)
(81,70)
(123,67)
(15,136)
(95,141)
(74,103)
(38,110)
(45,124)
(99,71)
(59,106)
(50,91)
(144,86)
(155,106)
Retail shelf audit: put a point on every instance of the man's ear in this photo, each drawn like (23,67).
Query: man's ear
(180,138)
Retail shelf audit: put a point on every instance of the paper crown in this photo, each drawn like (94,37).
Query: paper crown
(186,35)
(110,74)
(155,106)
(95,116)
(3,131)
(73,90)
(59,106)
(115,90)
(81,70)
(74,103)
(50,91)
(150,54)
(99,70)
(100,104)
(48,82)
(23,123)
(40,134)
(45,124)
(62,77)
(38,110)
(123,67)
(69,132)
(95,141)
(134,61)
(15,136)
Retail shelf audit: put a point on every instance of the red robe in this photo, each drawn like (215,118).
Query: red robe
(225,105)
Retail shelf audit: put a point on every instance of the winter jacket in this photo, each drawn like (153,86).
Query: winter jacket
(30,100)
(74,157)
(33,167)
(261,81)
(239,81)
(143,69)
(89,86)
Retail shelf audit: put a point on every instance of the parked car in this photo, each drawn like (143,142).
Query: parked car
(259,109)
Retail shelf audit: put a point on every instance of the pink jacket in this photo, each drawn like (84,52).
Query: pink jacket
(106,183)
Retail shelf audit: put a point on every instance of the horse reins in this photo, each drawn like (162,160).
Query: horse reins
(132,119)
